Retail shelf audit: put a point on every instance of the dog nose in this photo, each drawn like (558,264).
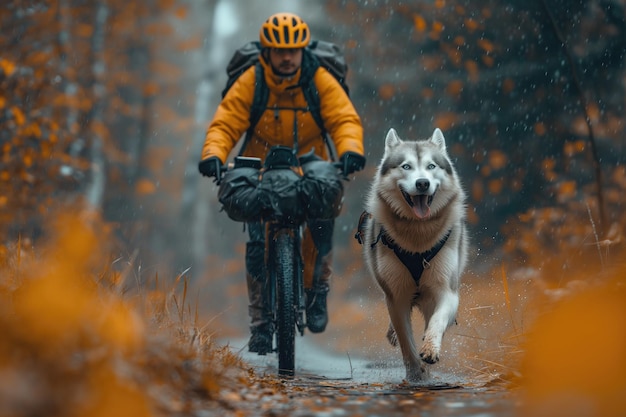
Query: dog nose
(422,185)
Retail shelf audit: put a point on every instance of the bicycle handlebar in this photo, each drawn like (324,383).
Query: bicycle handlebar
(253,162)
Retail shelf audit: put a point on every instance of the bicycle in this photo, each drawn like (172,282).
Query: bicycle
(285,296)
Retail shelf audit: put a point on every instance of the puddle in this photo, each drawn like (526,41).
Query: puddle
(329,384)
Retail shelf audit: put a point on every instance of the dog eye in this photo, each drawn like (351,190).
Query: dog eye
(406,166)
(431,166)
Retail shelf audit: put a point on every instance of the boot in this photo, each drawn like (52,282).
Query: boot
(316,310)
(261,340)
(260,325)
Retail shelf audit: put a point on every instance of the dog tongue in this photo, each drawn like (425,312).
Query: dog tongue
(420,206)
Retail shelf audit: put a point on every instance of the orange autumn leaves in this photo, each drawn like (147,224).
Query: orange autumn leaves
(48,103)
(61,326)
(574,362)
(495,161)
(93,350)
(461,44)
(58,301)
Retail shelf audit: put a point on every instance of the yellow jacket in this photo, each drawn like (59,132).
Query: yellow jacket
(276,127)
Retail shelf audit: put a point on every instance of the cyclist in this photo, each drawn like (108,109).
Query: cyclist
(283,37)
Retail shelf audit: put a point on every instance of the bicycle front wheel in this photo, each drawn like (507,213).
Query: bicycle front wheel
(285,258)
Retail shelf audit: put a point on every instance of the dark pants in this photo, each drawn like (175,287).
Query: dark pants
(321,233)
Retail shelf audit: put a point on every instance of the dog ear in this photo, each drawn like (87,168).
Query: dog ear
(438,139)
(392,139)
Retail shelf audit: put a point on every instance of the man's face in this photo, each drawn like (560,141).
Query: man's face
(285,61)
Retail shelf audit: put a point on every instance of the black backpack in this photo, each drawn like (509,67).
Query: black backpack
(317,53)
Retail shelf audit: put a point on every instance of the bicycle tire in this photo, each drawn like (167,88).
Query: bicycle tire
(285,310)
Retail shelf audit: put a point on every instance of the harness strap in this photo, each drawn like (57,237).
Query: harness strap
(415,262)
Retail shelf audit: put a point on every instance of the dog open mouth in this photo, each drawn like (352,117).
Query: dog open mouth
(420,203)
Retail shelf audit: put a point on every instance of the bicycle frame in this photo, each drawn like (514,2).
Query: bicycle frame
(284,294)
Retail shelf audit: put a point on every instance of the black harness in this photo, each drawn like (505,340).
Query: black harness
(415,262)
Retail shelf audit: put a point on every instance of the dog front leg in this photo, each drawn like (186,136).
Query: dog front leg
(442,317)
(400,315)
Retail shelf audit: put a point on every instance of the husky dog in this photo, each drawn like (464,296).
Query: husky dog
(414,243)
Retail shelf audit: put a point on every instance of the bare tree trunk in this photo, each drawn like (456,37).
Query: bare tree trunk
(196,213)
(96,187)
(68,86)
(140,99)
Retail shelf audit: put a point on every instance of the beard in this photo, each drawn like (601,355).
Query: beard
(284,74)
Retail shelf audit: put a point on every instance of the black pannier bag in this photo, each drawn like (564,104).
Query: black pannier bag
(240,195)
(321,189)
(278,192)
(280,187)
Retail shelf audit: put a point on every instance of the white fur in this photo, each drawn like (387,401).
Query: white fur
(438,292)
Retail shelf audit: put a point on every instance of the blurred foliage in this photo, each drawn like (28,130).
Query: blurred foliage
(78,340)
(574,358)
(51,86)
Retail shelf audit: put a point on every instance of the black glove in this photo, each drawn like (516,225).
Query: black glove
(211,167)
(351,162)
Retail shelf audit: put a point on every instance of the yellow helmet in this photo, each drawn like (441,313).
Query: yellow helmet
(284,30)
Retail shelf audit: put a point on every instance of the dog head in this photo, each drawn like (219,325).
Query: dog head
(416,178)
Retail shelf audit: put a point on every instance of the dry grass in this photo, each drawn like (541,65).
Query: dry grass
(78,340)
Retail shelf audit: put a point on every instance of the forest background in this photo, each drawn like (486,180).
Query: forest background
(108,103)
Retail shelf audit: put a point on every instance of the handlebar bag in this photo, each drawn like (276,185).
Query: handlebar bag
(240,196)
(321,190)
(280,189)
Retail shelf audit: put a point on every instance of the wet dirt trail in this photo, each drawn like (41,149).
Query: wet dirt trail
(330,384)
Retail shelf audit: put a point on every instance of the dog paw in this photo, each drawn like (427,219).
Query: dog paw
(429,354)
(417,373)
(392,337)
